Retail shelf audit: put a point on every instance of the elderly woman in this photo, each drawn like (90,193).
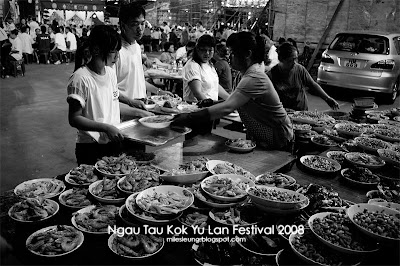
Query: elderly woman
(255,98)
(290,80)
(200,79)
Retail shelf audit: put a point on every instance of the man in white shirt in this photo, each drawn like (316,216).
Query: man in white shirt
(59,47)
(27,41)
(33,25)
(130,75)
(166,28)
(70,40)
(16,50)
(9,25)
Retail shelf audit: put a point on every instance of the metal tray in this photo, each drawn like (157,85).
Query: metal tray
(135,131)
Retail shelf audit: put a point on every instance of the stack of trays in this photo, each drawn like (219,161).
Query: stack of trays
(361,105)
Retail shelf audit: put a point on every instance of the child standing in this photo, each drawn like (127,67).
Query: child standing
(93,97)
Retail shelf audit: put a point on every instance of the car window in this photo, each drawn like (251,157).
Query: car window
(361,43)
(396,41)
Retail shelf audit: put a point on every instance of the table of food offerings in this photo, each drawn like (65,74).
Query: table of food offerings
(216,201)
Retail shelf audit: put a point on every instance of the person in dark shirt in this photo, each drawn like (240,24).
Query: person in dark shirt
(43,42)
(222,67)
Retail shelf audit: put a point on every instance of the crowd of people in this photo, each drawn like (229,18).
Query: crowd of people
(221,72)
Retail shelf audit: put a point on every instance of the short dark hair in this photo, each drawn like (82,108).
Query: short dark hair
(24,28)
(205,40)
(130,11)
(43,29)
(68,28)
(15,32)
(190,44)
(167,45)
(244,41)
(102,40)
(285,51)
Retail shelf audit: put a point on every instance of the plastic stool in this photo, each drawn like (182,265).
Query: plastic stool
(64,57)
(18,66)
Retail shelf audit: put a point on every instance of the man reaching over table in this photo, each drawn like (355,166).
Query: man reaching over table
(130,74)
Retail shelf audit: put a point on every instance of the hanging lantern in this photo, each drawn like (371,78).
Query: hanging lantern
(54,5)
(94,8)
(64,6)
(85,7)
(75,6)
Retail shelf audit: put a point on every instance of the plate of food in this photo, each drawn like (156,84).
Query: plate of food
(170,107)
(217,167)
(134,246)
(165,200)
(323,142)
(350,241)
(116,166)
(208,202)
(309,249)
(372,144)
(390,156)
(60,240)
(348,129)
(144,177)
(156,121)
(41,187)
(106,191)
(319,164)
(146,217)
(312,118)
(273,197)
(384,203)
(226,187)
(333,134)
(275,180)
(149,103)
(378,222)
(32,210)
(95,219)
(187,108)
(160,99)
(364,160)
(75,198)
(194,219)
(301,128)
(360,176)
(83,175)
(240,145)
(188,172)
(245,215)
(392,134)
(337,156)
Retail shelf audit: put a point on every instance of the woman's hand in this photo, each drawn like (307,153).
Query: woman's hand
(137,104)
(332,103)
(166,93)
(114,134)
(143,113)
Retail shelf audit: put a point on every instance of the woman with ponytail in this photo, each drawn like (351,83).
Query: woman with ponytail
(93,96)
(254,97)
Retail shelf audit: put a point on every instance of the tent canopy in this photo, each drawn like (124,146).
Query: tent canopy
(76,5)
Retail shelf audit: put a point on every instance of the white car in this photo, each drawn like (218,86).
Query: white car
(363,60)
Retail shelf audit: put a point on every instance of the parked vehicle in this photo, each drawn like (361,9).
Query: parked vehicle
(363,60)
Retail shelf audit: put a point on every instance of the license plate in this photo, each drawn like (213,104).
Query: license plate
(353,63)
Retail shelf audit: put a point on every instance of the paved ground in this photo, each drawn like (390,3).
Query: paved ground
(36,139)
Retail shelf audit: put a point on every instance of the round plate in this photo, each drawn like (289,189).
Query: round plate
(357,208)
(340,129)
(88,209)
(54,228)
(48,202)
(380,134)
(277,204)
(217,204)
(390,205)
(240,209)
(62,201)
(353,156)
(290,179)
(234,178)
(384,154)
(71,181)
(147,218)
(151,121)
(228,143)
(211,164)
(326,146)
(113,237)
(58,187)
(334,163)
(360,140)
(163,190)
(112,175)
(184,179)
(109,201)
(333,154)
(355,182)
(322,215)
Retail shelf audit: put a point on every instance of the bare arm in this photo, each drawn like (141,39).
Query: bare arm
(195,87)
(153,89)
(77,120)
(323,95)
(234,101)
(222,93)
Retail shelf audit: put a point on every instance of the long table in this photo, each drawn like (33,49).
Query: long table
(95,251)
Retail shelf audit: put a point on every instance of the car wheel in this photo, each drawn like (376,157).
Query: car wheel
(391,97)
